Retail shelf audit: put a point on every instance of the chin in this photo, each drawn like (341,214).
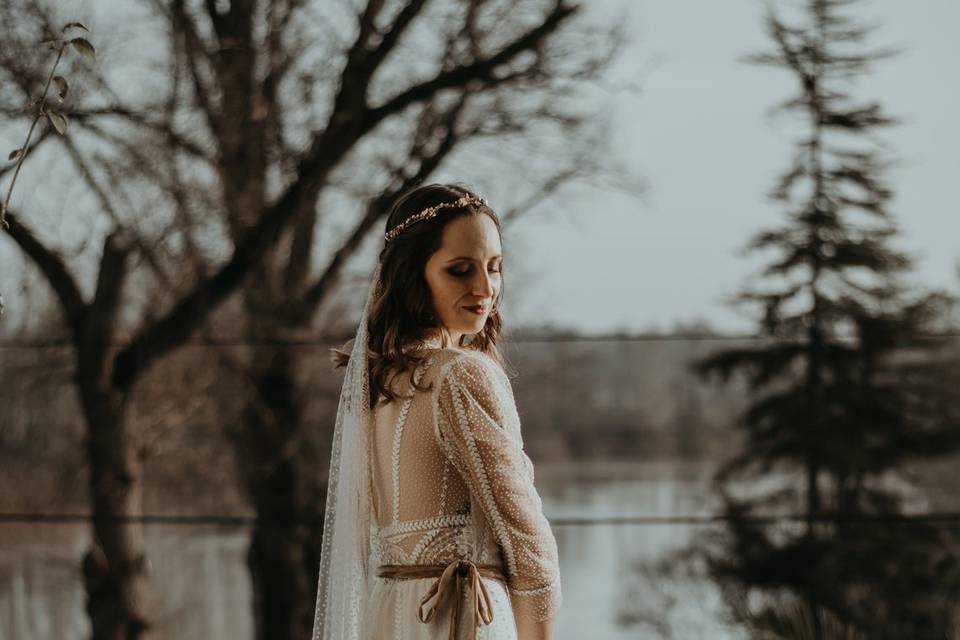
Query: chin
(470,329)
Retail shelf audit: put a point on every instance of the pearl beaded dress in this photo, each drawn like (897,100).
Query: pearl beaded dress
(450,480)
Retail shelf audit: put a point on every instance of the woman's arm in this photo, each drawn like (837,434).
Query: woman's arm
(527,627)
(479,429)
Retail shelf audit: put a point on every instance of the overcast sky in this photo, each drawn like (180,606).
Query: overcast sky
(699,134)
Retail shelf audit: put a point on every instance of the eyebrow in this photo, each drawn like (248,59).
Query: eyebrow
(471,258)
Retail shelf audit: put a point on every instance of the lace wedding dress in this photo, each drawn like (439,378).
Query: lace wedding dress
(450,481)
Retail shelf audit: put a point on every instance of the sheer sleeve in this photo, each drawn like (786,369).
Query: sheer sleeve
(479,429)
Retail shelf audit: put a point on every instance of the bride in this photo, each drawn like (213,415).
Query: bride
(433,527)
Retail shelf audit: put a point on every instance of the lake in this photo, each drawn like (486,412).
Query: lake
(200,586)
(612,588)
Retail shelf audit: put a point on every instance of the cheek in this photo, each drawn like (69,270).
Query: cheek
(454,289)
(444,289)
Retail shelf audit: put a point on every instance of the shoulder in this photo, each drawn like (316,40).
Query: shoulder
(455,367)
(463,365)
(473,393)
(474,375)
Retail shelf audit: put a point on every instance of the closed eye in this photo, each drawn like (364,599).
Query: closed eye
(464,272)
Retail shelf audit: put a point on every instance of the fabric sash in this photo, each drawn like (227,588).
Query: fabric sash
(452,580)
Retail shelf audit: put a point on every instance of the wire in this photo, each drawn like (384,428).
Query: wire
(333,341)
(944,517)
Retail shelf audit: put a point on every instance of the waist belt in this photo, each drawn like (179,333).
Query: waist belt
(451,581)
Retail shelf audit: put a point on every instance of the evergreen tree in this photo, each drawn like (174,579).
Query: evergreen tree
(846,390)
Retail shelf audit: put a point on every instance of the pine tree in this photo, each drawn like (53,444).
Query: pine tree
(846,390)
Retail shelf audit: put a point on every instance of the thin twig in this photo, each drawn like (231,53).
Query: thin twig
(26,145)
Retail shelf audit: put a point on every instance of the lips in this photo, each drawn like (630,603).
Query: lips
(478,309)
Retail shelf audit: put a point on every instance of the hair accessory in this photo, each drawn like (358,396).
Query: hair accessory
(430,212)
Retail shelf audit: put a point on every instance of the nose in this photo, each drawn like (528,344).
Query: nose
(484,286)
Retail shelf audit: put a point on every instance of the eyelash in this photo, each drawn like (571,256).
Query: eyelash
(463,273)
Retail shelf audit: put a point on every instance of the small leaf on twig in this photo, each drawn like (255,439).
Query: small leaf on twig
(74,24)
(14,154)
(58,120)
(62,86)
(84,47)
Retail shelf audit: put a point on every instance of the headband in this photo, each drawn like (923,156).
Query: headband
(430,212)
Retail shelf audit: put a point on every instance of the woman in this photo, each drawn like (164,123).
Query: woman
(433,527)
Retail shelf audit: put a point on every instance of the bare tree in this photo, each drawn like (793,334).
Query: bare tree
(492,70)
(295,119)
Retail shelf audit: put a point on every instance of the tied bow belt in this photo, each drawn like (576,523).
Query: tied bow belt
(451,581)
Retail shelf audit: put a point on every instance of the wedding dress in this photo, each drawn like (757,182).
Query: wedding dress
(452,487)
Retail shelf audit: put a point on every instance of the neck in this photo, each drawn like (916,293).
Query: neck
(434,339)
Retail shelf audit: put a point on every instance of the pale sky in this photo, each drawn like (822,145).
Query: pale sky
(699,135)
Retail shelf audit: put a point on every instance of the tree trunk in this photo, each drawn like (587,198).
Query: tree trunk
(114,568)
(283,486)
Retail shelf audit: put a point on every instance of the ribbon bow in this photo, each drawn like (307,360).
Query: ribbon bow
(449,585)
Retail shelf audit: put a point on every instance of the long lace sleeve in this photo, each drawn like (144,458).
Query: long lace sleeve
(479,429)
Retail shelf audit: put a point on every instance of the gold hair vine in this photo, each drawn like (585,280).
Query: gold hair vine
(430,212)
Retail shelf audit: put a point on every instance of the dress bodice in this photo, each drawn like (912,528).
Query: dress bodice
(437,540)
(450,479)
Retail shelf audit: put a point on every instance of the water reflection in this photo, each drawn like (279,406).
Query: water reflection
(614,586)
(200,587)
(619,580)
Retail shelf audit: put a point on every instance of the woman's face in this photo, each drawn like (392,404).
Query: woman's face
(464,274)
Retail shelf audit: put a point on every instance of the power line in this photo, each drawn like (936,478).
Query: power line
(334,341)
(943,518)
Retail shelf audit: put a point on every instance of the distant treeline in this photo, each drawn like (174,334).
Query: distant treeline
(582,398)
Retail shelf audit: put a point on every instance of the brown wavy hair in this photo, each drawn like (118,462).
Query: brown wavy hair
(401,314)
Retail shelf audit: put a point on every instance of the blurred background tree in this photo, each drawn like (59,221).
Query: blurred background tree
(846,388)
(255,153)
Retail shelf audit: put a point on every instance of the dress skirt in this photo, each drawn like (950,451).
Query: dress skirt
(393,612)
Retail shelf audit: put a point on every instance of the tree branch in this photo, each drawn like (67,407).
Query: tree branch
(139,118)
(194,307)
(326,151)
(194,49)
(103,311)
(480,70)
(215,19)
(351,98)
(379,206)
(111,211)
(55,271)
(397,27)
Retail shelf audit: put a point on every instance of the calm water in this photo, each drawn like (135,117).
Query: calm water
(202,590)
(612,589)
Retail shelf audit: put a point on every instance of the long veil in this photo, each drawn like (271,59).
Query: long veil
(342,592)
